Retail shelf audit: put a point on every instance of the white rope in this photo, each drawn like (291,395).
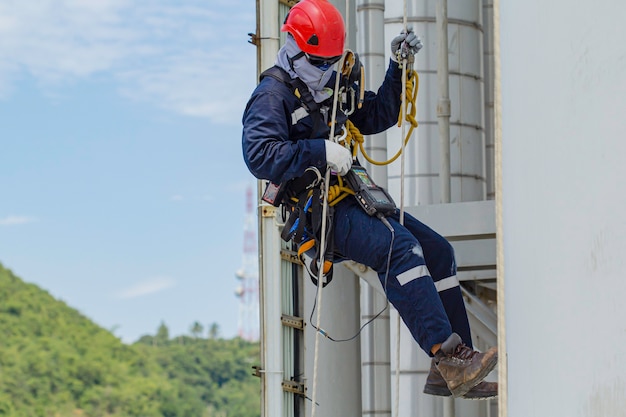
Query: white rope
(402,123)
(402,169)
(320,274)
(320,285)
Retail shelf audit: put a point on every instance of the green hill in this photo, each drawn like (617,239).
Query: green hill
(55,362)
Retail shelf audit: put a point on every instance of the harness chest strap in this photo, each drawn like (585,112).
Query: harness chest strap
(300,90)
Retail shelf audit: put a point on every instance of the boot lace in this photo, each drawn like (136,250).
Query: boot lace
(463,352)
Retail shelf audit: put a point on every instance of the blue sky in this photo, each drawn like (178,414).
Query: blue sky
(122,187)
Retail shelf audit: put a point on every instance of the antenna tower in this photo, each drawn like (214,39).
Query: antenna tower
(248,276)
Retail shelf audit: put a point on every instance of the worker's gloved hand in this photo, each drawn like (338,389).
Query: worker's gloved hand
(409,41)
(338,158)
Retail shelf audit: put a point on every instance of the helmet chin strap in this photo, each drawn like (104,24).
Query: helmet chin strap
(296,57)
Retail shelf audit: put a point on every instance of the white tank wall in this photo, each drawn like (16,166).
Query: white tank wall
(465,54)
(465,46)
(563,200)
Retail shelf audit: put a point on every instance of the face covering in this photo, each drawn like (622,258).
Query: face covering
(291,59)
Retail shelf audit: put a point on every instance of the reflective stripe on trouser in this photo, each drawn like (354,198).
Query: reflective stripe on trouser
(439,257)
(420,258)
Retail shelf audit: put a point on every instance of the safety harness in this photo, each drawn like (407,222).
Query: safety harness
(317,111)
(302,197)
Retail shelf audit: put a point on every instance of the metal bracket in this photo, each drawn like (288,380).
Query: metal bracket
(268,211)
(292,321)
(290,256)
(294,387)
(254,39)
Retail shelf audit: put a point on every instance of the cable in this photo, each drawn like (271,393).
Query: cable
(323,332)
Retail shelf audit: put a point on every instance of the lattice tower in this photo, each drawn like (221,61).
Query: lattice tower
(248,276)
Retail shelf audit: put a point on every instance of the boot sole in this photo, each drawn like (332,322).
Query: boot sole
(464,388)
(479,397)
(445,392)
(436,390)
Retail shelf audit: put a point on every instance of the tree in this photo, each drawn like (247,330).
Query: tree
(163,334)
(214,330)
(56,362)
(196,329)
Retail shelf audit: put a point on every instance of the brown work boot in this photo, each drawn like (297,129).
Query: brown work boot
(436,385)
(461,367)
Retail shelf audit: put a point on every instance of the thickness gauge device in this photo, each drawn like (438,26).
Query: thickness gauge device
(372,198)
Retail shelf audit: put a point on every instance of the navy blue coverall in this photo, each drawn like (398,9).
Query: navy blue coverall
(421,282)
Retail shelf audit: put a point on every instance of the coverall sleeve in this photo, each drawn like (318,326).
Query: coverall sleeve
(268,150)
(380,110)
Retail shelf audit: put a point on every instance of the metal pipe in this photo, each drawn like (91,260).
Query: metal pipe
(267,42)
(270,305)
(448,407)
(288,333)
(268,34)
(503,367)
(443,117)
(489,66)
(376,356)
(443,106)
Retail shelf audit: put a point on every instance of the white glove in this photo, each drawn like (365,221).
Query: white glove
(338,158)
(409,42)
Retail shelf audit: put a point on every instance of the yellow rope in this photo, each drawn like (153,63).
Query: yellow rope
(339,191)
(354,135)
(336,193)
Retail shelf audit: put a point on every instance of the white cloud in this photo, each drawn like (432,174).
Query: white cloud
(151,286)
(193,58)
(15,220)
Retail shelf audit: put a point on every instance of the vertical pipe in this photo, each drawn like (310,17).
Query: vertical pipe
(443,117)
(489,65)
(448,407)
(443,106)
(502,345)
(339,364)
(371,49)
(268,33)
(270,305)
(288,333)
(269,247)
(376,355)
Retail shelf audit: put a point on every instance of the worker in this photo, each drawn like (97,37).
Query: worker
(286,133)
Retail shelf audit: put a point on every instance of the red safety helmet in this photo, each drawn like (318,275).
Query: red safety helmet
(317,26)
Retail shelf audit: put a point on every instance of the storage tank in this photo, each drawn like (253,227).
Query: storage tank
(562,226)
